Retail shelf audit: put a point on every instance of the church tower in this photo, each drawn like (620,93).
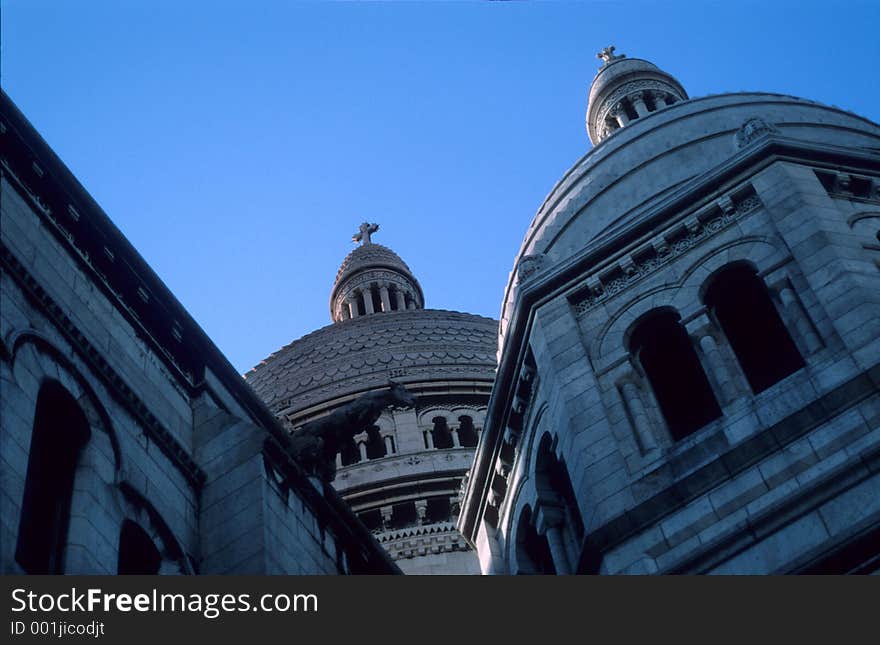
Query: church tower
(403,475)
(689,347)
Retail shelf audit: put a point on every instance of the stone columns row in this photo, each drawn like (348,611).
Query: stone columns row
(350,305)
(387,512)
(637,101)
(456,440)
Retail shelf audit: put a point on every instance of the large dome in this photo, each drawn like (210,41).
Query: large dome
(402,475)
(364,353)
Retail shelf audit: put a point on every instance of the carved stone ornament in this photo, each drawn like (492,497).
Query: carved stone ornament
(753,129)
(529,265)
(316,444)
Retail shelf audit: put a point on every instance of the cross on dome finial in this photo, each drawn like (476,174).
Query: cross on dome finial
(607,54)
(364,232)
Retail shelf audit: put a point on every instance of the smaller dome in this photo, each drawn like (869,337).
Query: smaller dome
(373,279)
(626,89)
(368,256)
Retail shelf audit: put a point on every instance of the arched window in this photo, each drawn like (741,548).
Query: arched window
(375,443)
(745,312)
(664,350)
(441,434)
(532,549)
(467,434)
(60,432)
(438,510)
(404,514)
(138,554)
(376,298)
(392,297)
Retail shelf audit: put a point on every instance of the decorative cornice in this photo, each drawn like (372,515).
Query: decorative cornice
(424,540)
(112,380)
(632,268)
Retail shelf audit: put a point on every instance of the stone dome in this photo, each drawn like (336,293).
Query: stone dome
(348,358)
(402,476)
(646,163)
(367,257)
(373,279)
(626,89)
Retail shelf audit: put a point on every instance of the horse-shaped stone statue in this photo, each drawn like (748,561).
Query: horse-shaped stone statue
(316,444)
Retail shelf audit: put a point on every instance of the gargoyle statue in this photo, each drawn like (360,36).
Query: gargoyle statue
(316,444)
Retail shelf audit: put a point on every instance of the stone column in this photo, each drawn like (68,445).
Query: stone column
(700,328)
(548,522)
(661,99)
(368,300)
(638,102)
(421,510)
(429,439)
(632,399)
(351,303)
(618,113)
(389,444)
(456,443)
(401,301)
(796,316)
(383,295)
(386,512)
(716,365)
(362,448)
(344,310)
(454,507)
(412,304)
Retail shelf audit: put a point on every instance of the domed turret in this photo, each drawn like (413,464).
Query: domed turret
(373,279)
(626,89)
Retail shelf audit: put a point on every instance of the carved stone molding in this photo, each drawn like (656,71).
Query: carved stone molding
(753,129)
(632,268)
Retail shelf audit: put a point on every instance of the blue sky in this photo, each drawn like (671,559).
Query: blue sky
(239,144)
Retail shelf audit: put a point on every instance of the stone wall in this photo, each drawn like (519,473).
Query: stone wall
(782,478)
(184,457)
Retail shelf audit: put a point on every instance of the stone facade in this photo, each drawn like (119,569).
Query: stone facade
(128,443)
(403,477)
(688,359)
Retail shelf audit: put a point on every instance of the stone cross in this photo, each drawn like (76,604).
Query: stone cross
(364,232)
(607,54)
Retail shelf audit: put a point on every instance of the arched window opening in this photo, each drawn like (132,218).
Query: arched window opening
(377,299)
(532,549)
(375,443)
(392,297)
(760,340)
(467,434)
(663,348)
(438,510)
(441,434)
(138,554)
(350,453)
(60,431)
(403,514)
(359,303)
